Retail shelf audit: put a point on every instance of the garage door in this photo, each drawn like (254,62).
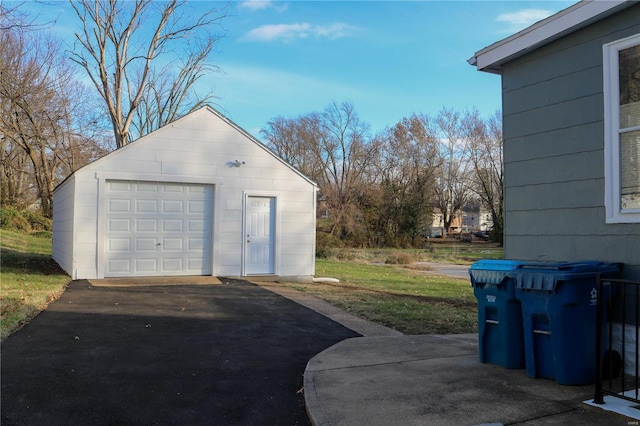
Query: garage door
(157,229)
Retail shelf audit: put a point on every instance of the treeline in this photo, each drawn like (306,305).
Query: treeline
(383,190)
(47,123)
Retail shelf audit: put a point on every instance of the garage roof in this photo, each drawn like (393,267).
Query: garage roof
(198,111)
(491,58)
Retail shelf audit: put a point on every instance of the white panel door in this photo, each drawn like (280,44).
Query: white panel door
(156,229)
(260,242)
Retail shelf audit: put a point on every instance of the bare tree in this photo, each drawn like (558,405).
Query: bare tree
(169,94)
(122,47)
(345,153)
(333,148)
(451,188)
(29,117)
(406,172)
(291,139)
(12,17)
(80,140)
(15,173)
(16,169)
(484,151)
(38,120)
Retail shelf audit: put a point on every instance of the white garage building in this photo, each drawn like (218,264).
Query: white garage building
(199,196)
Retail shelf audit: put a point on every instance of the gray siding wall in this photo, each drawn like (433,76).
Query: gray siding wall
(553,108)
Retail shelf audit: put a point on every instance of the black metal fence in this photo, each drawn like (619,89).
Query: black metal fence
(618,340)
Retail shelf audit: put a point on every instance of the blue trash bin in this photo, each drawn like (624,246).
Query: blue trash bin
(559,311)
(500,332)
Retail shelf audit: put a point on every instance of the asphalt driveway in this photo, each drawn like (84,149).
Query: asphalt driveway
(202,354)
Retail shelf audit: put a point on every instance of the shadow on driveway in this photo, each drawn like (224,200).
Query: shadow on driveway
(230,353)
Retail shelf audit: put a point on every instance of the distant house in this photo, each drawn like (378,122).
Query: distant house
(463,221)
(199,196)
(571,118)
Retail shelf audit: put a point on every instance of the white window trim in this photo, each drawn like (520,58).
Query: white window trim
(614,213)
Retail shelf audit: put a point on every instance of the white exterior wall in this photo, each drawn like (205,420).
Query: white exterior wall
(62,244)
(198,148)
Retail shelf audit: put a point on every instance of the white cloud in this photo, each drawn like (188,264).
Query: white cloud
(256,5)
(290,32)
(272,32)
(523,18)
(335,30)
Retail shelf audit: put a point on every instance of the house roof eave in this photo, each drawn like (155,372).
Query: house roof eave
(491,58)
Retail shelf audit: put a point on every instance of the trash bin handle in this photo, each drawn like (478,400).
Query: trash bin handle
(545,267)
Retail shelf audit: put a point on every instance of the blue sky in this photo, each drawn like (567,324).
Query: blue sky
(389,58)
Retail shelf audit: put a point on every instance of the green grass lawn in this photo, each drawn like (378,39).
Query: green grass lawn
(29,278)
(463,253)
(407,300)
(442,251)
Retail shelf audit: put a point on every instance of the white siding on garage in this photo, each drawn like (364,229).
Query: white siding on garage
(63,215)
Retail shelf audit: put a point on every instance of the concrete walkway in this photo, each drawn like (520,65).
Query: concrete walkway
(387,378)
(448,269)
(436,380)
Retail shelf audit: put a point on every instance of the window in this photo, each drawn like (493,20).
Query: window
(622,130)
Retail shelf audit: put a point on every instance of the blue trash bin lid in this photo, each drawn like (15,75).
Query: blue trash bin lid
(496,265)
(546,276)
(489,271)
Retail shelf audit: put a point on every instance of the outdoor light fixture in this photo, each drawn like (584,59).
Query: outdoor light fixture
(237,163)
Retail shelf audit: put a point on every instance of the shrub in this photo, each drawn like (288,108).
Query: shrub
(326,245)
(399,259)
(37,221)
(12,218)
(26,220)
(345,255)
(324,252)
